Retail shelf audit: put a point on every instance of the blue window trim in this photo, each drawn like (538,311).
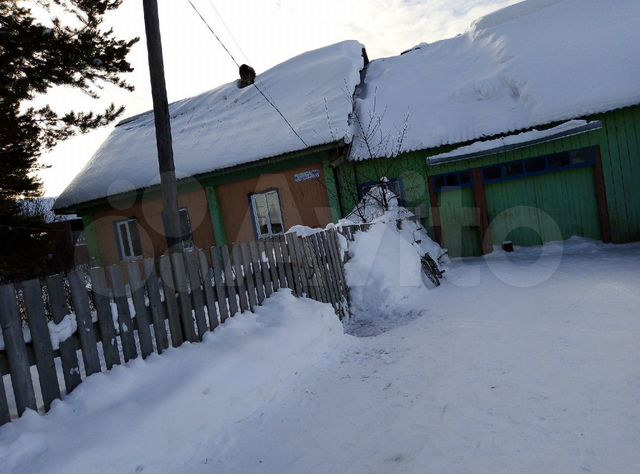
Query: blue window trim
(440,181)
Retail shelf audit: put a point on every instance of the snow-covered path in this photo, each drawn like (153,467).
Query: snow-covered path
(490,378)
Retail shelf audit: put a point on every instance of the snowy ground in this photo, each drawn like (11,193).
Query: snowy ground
(489,377)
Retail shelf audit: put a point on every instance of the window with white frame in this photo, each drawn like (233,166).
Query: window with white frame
(267,214)
(128,238)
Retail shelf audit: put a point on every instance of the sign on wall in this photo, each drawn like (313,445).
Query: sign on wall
(306,175)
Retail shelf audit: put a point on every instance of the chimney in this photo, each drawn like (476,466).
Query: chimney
(247,76)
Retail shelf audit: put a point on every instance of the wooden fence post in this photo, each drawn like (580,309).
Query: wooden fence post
(136,286)
(124,314)
(59,309)
(86,333)
(207,284)
(169,289)
(155,304)
(16,350)
(218,278)
(180,278)
(237,266)
(105,318)
(197,293)
(41,342)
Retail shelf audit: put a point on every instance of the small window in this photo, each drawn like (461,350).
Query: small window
(513,169)
(559,161)
(586,156)
(128,239)
(492,172)
(267,213)
(536,165)
(438,181)
(185,227)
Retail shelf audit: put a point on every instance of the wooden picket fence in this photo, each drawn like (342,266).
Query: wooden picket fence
(157,303)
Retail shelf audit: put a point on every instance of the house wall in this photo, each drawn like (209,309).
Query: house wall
(103,244)
(619,144)
(302,203)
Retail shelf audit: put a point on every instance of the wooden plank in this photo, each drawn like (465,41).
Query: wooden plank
(249,275)
(335,249)
(136,284)
(294,263)
(102,302)
(282,275)
(337,270)
(256,262)
(330,273)
(155,305)
(41,341)
(230,283)
(184,298)
(266,271)
(86,332)
(603,206)
(218,278)
(207,284)
(302,265)
(197,292)
(322,274)
(286,261)
(16,350)
(125,324)
(311,270)
(5,417)
(273,267)
(332,288)
(240,281)
(173,311)
(59,309)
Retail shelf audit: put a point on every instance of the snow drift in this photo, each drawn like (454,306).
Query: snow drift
(174,402)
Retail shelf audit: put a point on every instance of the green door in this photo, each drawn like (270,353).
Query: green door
(460,235)
(552,206)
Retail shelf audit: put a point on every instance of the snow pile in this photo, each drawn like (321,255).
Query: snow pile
(385,276)
(57,332)
(228,126)
(158,414)
(532,63)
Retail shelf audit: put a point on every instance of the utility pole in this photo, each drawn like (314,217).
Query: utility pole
(163,126)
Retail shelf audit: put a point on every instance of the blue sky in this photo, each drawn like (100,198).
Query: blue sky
(261,33)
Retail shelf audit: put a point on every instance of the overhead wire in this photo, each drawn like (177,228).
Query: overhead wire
(269,101)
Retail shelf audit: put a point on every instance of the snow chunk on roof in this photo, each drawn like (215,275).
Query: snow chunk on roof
(533,63)
(228,126)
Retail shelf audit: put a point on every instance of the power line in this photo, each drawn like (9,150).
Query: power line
(213,32)
(269,101)
(228,30)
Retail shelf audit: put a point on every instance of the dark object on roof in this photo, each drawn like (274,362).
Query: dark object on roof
(247,76)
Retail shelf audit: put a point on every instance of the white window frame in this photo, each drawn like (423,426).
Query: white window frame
(256,221)
(125,224)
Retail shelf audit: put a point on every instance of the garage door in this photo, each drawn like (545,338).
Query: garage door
(543,199)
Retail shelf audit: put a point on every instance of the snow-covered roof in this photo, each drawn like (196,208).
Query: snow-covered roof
(228,126)
(533,63)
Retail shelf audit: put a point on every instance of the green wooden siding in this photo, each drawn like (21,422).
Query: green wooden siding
(544,208)
(619,142)
(91,237)
(459,232)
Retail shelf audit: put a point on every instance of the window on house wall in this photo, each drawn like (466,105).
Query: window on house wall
(185,227)
(128,238)
(267,214)
(393,185)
